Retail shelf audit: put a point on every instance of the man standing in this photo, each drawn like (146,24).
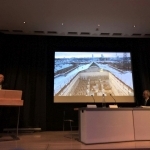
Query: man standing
(1,81)
(2,84)
(146,96)
(3,122)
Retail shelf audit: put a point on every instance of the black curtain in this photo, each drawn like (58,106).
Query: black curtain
(28,64)
(23,61)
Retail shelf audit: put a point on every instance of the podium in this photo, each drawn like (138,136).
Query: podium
(12,98)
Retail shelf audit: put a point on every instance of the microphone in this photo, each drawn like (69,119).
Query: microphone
(113,98)
(103,102)
(93,98)
(92,106)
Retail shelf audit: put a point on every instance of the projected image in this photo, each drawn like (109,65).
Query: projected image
(93,73)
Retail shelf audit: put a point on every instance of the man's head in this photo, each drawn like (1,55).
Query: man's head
(1,78)
(146,94)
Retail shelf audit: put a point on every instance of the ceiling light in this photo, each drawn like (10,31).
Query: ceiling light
(62,24)
(24,22)
(98,25)
(134,26)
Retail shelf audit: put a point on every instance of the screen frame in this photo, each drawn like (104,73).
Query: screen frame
(96,50)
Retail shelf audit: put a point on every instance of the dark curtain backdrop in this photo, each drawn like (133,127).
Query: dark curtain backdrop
(23,62)
(28,63)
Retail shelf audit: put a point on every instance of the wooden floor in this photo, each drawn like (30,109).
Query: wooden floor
(61,141)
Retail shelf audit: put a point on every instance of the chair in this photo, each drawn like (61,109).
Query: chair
(70,116)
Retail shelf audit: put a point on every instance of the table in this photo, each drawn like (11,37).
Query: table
(103,125)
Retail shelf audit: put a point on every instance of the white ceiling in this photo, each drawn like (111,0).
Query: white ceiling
(81,17)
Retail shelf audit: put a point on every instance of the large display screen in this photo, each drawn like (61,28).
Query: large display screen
(80,75)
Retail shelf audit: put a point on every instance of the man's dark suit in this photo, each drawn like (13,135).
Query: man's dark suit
(4,86)
(148,102)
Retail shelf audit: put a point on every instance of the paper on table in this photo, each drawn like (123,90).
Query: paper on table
(145,106)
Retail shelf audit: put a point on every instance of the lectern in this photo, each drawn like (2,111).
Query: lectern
(11,98)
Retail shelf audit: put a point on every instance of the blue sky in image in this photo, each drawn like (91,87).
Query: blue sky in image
(88,54)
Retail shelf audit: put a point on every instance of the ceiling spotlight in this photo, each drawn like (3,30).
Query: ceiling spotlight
(134,26)
(24,22)
(98,25)
(62,24)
